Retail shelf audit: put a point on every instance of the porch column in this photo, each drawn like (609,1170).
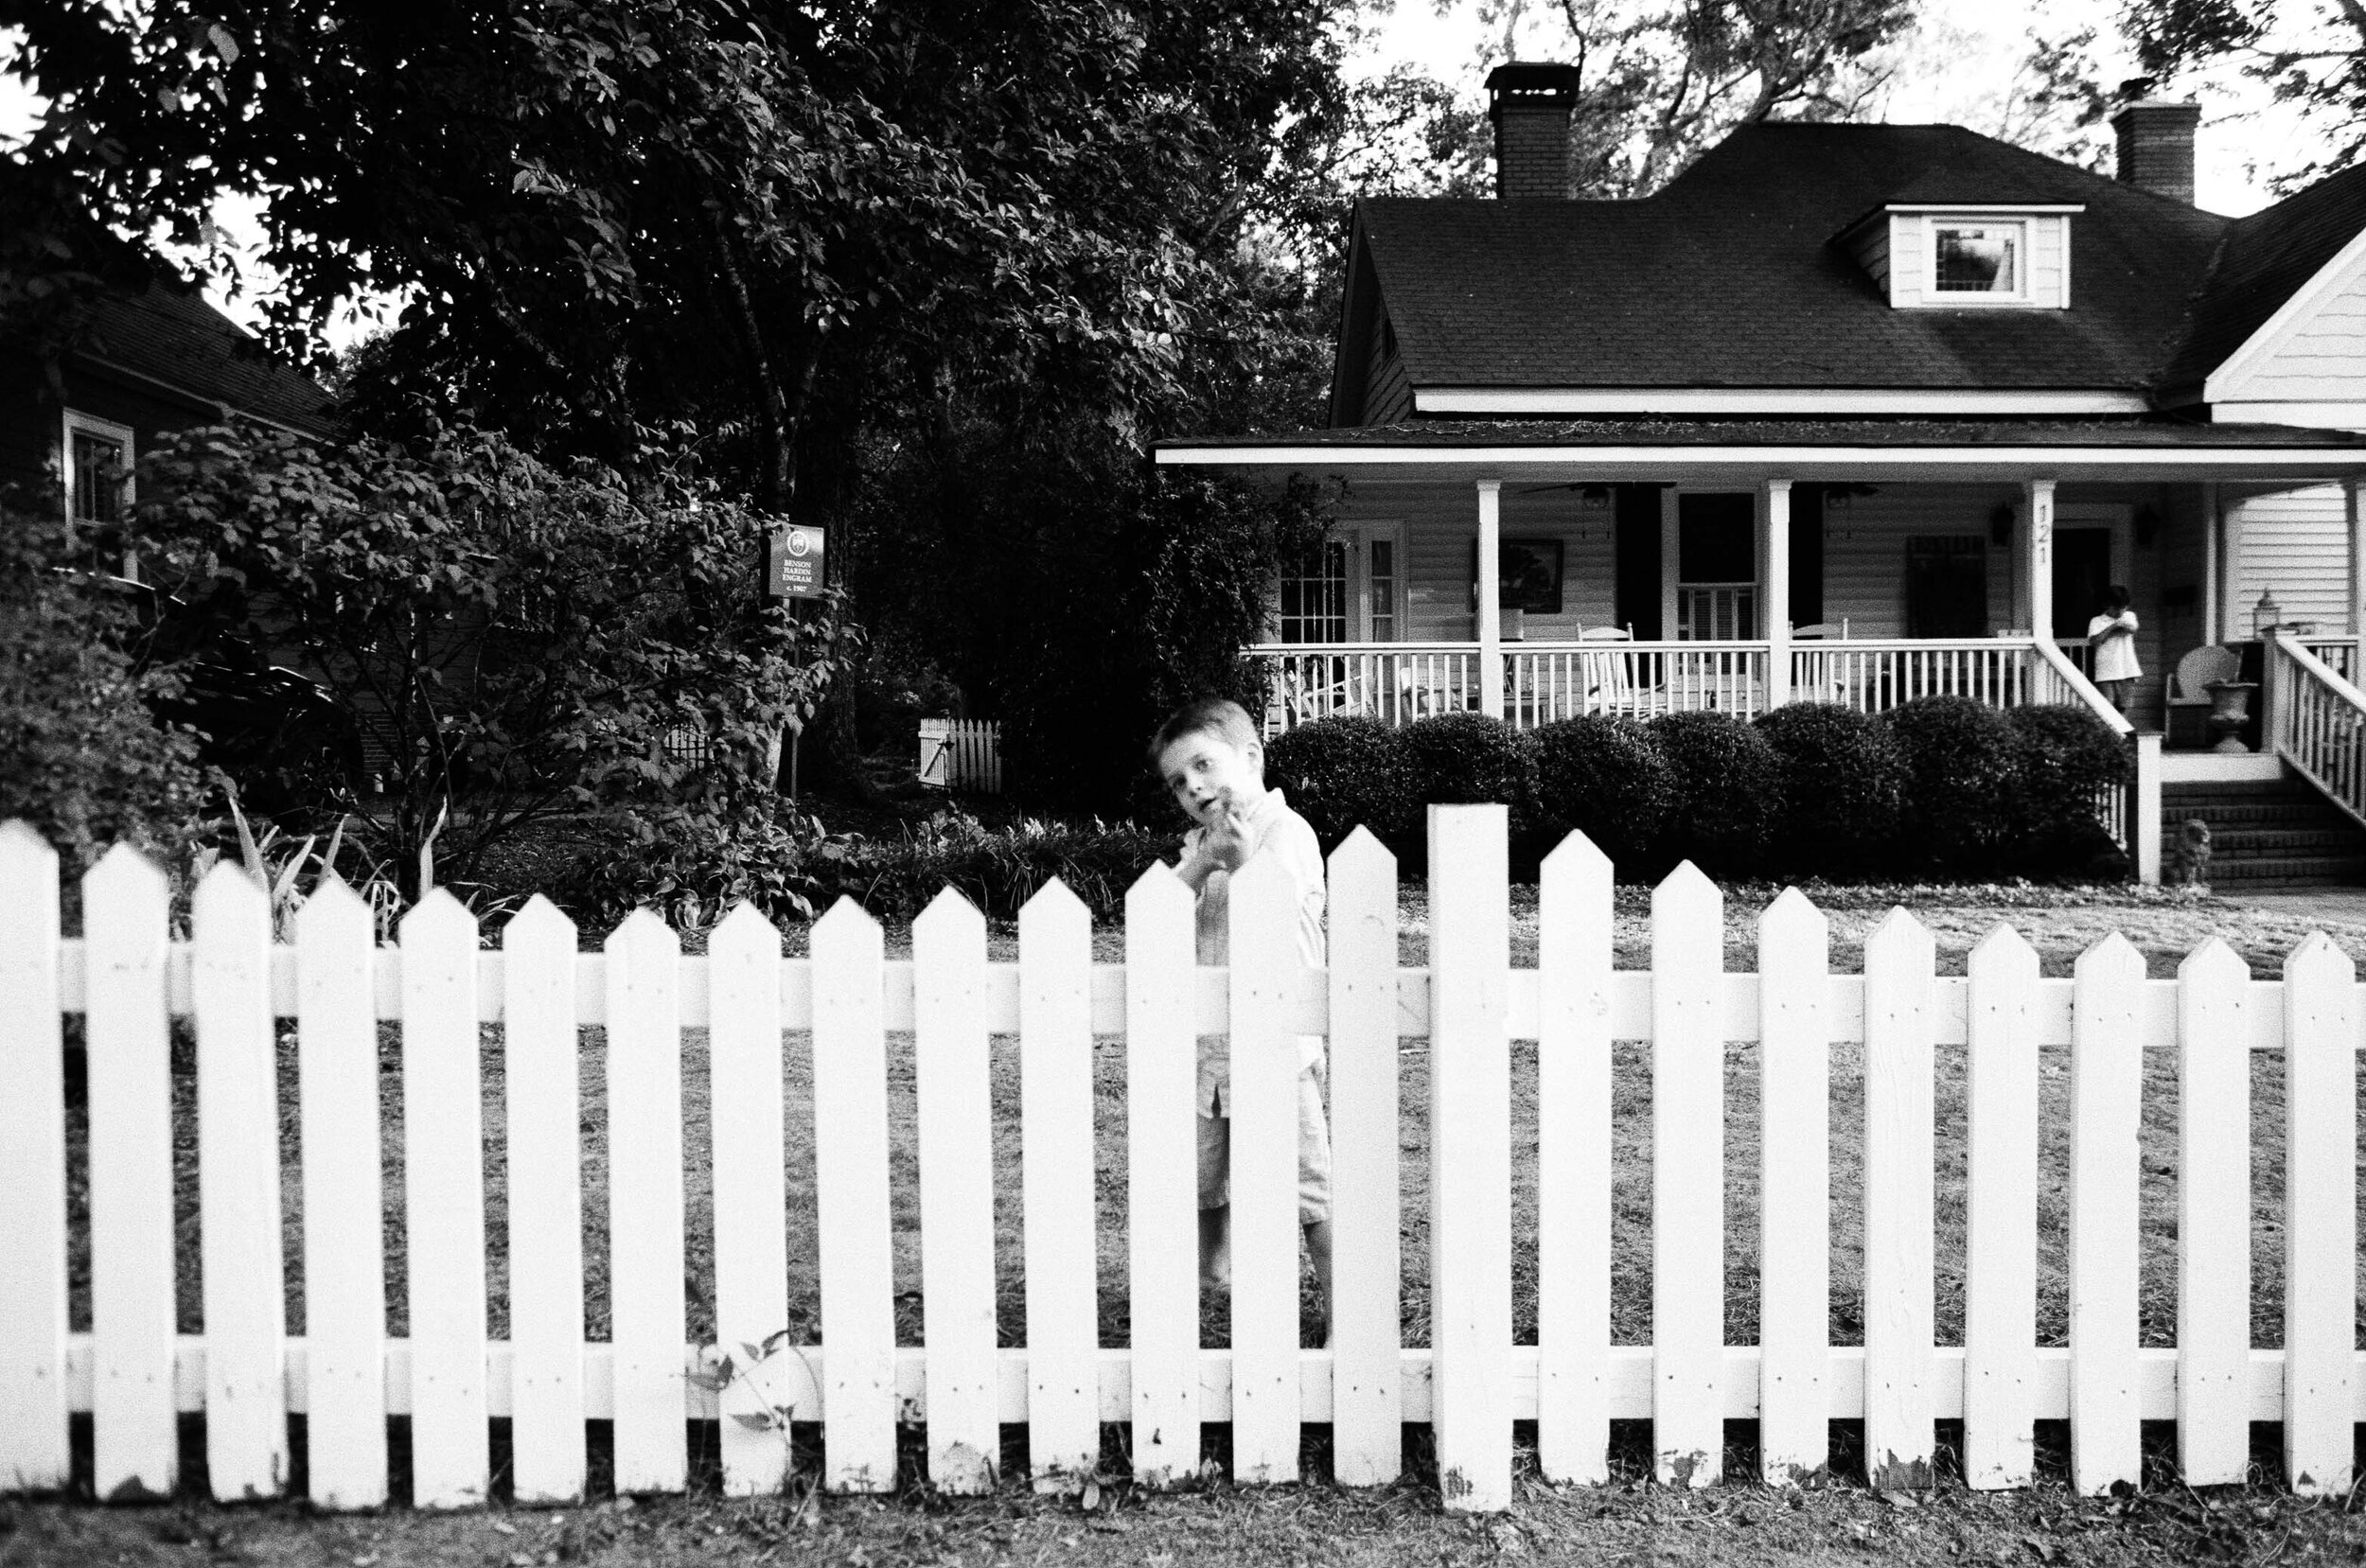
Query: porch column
(2212,586)
(1490,620)
(2233,621)
(2038,556)
(1775,612)
(2353,517)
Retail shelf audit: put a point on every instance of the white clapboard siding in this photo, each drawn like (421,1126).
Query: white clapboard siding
(2107,1085)
(34,1455)
(1161,1188)
(1898,1204)
(2000,1214)
(539,1070)
(444,1210)
(136,1446)
(1366,1397)
(344,1240)
(1056,1071)
(2320,1217)
(747,1122)
(1794,1191)
(1262,1100)
(850,1149)
(648,1312)
(237,1174)
(1573,1163)
(956,1194)
(2213,1216)
(1470,1236)
(1688,1179)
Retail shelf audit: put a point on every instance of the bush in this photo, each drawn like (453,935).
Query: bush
(1605,777)
(1844,786)
(1728,793)
(691,863)
(1342,773)
(2068,756)
(1962,812)
(1469,759)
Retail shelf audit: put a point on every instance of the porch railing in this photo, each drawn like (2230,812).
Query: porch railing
(1876,675)
(2316,720)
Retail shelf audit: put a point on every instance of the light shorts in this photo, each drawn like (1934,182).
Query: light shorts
(1215,1152)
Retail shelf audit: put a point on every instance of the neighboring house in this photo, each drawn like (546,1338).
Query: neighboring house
(138,364)
(1846,413)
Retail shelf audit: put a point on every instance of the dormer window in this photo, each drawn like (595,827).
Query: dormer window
(1985,258)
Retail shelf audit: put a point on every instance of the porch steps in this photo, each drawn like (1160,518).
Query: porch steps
(2266,834)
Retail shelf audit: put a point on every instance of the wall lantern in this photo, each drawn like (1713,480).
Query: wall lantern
(1594,498)
(2266,613)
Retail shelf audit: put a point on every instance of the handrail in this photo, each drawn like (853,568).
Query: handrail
(2081,688)
(2317,725)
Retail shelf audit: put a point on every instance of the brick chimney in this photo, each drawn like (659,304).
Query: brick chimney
(1529,105)
(2157,147)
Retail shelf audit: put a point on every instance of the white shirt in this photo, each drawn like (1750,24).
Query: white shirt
(1274,830)
(2116,656)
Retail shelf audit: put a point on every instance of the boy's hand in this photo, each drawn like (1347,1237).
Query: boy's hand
(1224,835)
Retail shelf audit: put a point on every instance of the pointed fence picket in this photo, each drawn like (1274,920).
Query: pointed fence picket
(126,977)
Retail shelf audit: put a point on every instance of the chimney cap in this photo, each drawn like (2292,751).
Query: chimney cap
(2163,107)
(1537,83)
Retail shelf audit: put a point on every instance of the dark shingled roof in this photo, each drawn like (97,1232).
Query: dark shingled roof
(2163,434)
(1732,276)
(169,332)
(2262,261)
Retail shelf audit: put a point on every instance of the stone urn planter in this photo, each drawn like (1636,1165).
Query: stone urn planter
(2230,710)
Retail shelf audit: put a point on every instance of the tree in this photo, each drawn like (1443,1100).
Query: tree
(2313,58)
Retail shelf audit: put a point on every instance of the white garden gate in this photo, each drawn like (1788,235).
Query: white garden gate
(127,977)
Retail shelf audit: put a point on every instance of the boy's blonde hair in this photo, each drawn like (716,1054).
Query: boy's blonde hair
(1221,716)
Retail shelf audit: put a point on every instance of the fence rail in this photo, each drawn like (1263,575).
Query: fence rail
(128,976)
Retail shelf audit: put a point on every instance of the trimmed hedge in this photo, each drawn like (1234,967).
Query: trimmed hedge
(1964,806)
(2067,757)
(1342,773)
(1607,778)
(1844,786)
(1469,759)
(1728,793)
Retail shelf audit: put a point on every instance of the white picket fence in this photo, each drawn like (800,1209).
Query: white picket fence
(964,754)
(128,977)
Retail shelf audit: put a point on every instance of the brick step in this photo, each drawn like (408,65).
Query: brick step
(2248,799)
(2312,872)
(2257,816)
(2251,843)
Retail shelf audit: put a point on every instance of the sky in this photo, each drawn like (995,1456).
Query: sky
(1954,68)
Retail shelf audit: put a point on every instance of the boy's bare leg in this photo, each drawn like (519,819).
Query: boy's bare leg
(1318,1252)
(1215,1248)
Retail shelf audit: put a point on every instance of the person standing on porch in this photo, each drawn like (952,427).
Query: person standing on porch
(1210,757)
(2112,635)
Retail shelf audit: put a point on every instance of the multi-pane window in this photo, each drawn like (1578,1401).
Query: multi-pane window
(97,475)
(1314,596)
(1981,258)
(1383,591)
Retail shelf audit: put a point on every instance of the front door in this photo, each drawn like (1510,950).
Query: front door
(2082,572)
(1717,566)
(1946,586)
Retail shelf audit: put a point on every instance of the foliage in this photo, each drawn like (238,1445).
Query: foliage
(1467,758)
(2068,758)
(692,861)
(1606,777)
(1342,773)
(1963,802)
(1843,788)
(2311,55)
(88,764)
(510,639)
(1728,796)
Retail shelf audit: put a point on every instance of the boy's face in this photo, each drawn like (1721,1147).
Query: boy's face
(1207,773)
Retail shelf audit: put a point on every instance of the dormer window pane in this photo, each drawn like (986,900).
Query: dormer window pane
(1983,260)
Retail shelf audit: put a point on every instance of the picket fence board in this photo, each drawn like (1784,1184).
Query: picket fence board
(748,1123)
(541,1069)
(444,1208)
(2320,1217)
(1573,1164)
(136,1446)
(1794,1192)
(850,1156)
(2213,1217)
(1263,1104)
(1738,1003)
(1163,1188)
(648,1312)
(1055,1069)
(2106,1088)
(2000,1215)
(1897,1204)
(957,1223)
(34,1451)
(238,1176)
(1688,1178)
(344,1268)
(1469,1221)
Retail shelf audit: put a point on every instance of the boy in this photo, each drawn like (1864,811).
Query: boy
(1208,754)
(2113,636)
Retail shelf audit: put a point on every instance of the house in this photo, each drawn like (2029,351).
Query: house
(1846,413)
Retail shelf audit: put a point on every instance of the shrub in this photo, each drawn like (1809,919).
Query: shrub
(692,862)
(1962,811)
(2068,756)
(1728,793)
(1469,759)
(1844,786)
(1341,773)
(1607,778)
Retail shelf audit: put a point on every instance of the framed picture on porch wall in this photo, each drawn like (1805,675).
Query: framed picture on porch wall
(1527,575)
